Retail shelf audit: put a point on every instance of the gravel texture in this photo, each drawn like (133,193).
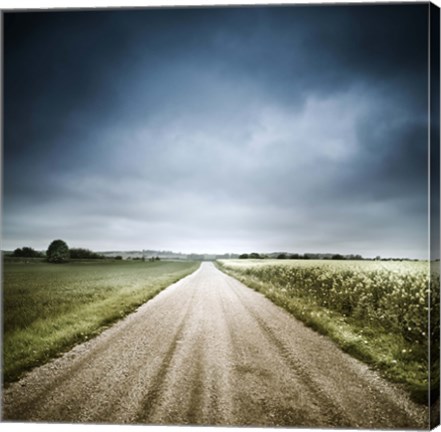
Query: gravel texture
(210,351)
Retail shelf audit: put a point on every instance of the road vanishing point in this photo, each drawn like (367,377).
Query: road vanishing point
(210,351)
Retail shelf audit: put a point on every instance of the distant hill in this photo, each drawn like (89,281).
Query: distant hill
(167,255)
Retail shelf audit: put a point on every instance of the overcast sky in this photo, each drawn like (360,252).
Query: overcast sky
(294,128)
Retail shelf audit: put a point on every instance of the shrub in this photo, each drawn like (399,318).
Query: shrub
(80,253)
(26,252)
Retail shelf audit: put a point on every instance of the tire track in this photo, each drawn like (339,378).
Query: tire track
(334,413)
(156,387)
(194,410)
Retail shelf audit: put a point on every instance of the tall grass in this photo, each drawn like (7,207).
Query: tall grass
(377,311)
(48,308)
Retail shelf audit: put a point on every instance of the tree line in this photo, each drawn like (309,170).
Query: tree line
(306,256)
(57,252)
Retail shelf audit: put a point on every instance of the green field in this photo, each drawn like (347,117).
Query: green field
(376,311)
(48,308)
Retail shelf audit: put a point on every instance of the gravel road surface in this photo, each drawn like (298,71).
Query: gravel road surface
(210,351)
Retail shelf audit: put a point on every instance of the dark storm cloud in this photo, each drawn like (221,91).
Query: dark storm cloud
(300,128)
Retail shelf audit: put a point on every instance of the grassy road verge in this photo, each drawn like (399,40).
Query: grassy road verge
(48,308)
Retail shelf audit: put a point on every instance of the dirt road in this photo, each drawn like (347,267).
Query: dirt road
(209,350)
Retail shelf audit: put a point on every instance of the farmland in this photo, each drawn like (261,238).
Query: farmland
(377,311)
(49,308)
